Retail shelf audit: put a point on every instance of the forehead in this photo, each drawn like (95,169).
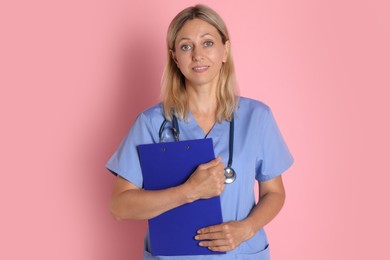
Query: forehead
(196,28)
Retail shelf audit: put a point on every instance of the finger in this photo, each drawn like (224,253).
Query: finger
(211,163)
(211,229)
(217,171)
(221,248)
(221,245)
(220,167)
(210,236)
(214,243)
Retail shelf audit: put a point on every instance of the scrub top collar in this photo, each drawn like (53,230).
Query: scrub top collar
(193,127)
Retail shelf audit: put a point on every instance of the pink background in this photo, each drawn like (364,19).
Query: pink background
(75,73)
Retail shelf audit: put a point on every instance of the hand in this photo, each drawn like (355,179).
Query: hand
(224,237)
(208,180)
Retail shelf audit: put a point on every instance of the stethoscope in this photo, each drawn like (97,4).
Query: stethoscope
(230,174)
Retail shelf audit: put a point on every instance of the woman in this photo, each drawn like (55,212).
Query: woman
(199,90)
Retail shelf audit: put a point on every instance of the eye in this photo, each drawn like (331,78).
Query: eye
(208,43)
(185,47)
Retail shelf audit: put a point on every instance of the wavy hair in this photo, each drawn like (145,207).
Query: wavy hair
(174,94)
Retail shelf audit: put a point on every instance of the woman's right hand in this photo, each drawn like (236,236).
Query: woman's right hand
(207,181)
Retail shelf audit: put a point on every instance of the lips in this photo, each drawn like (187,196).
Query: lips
(200,68)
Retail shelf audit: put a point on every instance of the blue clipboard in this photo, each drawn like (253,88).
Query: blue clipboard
(167,165)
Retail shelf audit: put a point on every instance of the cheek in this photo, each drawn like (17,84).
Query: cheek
(218,57)
(181,59)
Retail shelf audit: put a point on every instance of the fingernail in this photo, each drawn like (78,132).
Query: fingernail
(196,237)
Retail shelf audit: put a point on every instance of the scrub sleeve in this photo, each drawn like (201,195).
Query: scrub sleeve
(274,156)
(125,160)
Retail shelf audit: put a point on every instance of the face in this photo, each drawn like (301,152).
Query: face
(199,53)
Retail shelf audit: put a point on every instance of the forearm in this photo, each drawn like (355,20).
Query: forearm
(139,204)
(268,207)
(130,202)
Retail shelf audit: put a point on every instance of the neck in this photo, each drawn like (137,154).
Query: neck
(202,103)
(203,106)
(202,100)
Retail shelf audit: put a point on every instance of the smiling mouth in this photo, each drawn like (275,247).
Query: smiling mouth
(200,68)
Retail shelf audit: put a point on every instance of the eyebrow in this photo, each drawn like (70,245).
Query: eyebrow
(186,38)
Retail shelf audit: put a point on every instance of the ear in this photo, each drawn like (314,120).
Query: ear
(173,56)
(226,52)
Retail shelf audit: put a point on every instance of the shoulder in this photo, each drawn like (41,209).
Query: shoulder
(252,106)
(154,112)
(147,124)
(150,117)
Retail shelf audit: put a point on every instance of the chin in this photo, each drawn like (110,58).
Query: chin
(201,82)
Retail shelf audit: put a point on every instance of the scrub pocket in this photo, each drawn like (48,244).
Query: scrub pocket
(262,255)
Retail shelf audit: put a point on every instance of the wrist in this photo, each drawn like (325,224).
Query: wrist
(186,192)
(249,227)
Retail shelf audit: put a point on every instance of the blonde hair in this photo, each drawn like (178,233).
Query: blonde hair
(174,93)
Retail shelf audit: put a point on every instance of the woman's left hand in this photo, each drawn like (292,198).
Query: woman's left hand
(224,237)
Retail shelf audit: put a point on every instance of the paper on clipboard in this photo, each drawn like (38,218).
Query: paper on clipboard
(167,165)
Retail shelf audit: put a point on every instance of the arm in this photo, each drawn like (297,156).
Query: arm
(130,202)
(228,236)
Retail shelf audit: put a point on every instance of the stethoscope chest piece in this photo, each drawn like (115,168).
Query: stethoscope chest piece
(230,175)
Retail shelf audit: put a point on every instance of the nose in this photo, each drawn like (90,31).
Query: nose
(197,54)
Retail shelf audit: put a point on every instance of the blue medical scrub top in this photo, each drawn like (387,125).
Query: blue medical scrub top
(260,153)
